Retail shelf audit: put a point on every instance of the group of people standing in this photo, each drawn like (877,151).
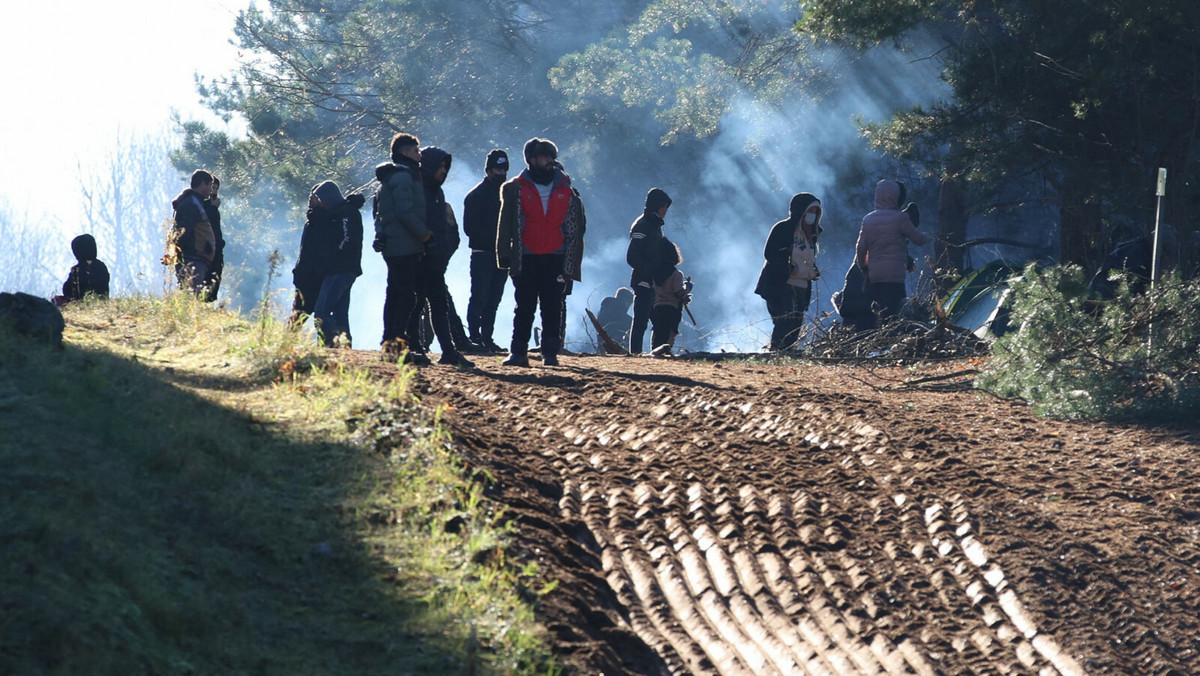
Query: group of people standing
(874,289)
(529,228)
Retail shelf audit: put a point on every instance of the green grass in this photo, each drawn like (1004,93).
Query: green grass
(181,494)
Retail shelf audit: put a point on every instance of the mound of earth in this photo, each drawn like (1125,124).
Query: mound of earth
(735,518)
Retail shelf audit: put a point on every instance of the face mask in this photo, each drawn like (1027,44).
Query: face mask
(810,218)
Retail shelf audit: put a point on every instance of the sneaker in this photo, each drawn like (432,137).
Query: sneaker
(550,360)
(517,359)
(456,359)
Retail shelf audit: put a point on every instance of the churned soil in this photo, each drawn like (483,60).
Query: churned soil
(733,517)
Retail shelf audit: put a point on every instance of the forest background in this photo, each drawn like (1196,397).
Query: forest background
(1023,132)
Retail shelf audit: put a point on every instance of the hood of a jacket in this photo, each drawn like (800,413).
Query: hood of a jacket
(432,159)
(385,170)
(84,248)
(187,194)
(887,194)
(800,202)
(329,193)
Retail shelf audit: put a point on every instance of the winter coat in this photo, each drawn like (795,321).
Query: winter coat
(192,234)
(318,245)
(777,252)
(400,208)
(644,251)
(481,212)
(882,248)
(519,232)
(445,238)
(88,275)
(347,253)
(214,217)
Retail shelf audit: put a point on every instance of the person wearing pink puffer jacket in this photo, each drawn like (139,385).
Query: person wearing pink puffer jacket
(882,249)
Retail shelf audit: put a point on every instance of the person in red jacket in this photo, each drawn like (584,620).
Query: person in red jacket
(539,221)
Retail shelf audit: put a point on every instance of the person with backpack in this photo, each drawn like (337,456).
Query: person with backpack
(192,243)
(789,269)
(643,255)
(400,236)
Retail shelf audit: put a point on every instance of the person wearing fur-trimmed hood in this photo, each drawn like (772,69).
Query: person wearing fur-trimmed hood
(790,268)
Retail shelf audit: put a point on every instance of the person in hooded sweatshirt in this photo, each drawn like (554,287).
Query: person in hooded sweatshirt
(192,242)
(481,211)
(882,249)
(342,230)
(317,243)
(89,275)
(643,254)
(540,217)
(785,281)
(431,268)
(400,236)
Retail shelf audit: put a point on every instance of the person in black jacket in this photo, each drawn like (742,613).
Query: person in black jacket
(789,269)
(643,255)
(89,275)
(318,242)
(191,243)
(431,271)
(212,283)
(481,212)
(331,315)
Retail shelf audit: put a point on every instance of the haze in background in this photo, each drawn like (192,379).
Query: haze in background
(80,79)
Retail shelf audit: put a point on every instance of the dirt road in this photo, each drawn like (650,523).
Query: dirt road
(733,518)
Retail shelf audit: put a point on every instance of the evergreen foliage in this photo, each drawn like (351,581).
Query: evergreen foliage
(1136,357)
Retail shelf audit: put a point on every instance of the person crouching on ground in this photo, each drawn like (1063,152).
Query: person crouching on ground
(670,295)
(790,268)
(531,243)
(344,227)
(88,276)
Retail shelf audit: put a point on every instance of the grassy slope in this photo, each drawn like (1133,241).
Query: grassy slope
(165,507)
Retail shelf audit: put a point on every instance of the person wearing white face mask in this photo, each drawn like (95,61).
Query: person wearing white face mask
(789,269)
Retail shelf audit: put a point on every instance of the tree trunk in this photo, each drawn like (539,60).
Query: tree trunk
(952,232)
(1080,234)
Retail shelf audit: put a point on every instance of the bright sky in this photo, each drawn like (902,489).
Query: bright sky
(76,72)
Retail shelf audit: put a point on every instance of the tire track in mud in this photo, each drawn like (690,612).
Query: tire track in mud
(743,533)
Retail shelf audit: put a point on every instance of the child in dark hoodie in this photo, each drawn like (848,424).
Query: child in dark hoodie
(89,275)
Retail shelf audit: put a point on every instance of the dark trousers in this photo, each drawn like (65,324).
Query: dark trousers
(643,304)
(540,282)
(787,307)
(886,299)
(401,296)
(304,299)
(331,316)
(487,289)
(192,274)
(666,324)
(431,295)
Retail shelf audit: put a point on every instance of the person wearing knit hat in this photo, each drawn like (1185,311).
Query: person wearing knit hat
(644,255)
(481,211)
(540,220)
(785,281)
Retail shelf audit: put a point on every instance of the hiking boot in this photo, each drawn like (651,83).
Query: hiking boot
(517,359)
(456,359)
(471,347)
(415,358)
(492,347)
(550,360)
